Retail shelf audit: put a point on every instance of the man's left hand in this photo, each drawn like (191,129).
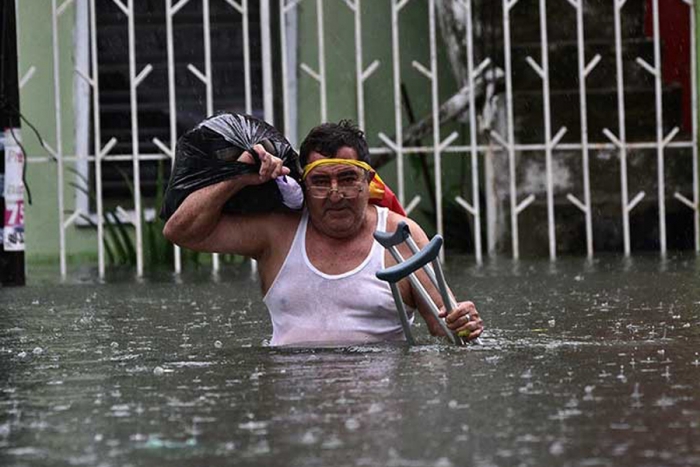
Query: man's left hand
(464,320)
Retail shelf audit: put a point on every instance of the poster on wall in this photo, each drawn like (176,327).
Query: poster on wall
(13,192)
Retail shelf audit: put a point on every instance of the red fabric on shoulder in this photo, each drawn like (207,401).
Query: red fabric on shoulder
(389,200)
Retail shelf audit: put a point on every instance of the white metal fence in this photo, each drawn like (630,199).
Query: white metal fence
(613,139)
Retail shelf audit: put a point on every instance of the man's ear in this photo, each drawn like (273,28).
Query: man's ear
(370,175)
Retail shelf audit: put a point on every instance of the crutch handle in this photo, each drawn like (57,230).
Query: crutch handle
(387,240)
(398,271)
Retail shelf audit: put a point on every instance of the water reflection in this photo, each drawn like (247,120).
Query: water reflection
(584,363)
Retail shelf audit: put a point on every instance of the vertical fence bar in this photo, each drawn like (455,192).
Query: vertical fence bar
(206,28)
(507,5)
(694,104)
(97,137)
(543,71)
(266,56)
(473,134)
(59,137)
(246,57)
(659,130)
(398,121)
(245,12)
(322,61)
(437,146)
(283,53)
(583,71)
(134,81)
(290,123)
(622,126)
(359,78)
(172,108)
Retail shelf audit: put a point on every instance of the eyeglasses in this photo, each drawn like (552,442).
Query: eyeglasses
(348,184)
(345,190)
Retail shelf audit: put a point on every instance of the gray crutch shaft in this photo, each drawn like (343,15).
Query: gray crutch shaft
(403,316)
(407,269)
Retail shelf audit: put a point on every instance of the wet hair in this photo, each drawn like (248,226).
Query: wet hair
(328,138)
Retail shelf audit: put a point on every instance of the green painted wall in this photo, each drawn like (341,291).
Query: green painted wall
(37,106)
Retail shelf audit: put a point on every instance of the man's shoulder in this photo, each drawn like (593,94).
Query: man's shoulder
(393,219)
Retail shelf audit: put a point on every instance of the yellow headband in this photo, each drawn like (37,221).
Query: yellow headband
(309,167)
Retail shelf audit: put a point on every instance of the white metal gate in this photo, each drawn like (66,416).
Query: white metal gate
(613,139)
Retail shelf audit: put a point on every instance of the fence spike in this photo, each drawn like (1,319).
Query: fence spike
(418,66)
(400,4)
(632,204)
(122,7)
(27,76)
(644,64)
(195,71)
(466,205)
(447,141)
(615,140)
(107,147)
(237,6)
(576,202)
(535,66)
(351,5)
(308,70)
(591,65)
(560,134)
(499,139)
(391,144)
(685,201)
(482,66)
(525,203)
(670,136)
(511,4)
(166,150)
(370,69)
(141,76)
(61,9)
(412,205)
(178,6)
(85,77)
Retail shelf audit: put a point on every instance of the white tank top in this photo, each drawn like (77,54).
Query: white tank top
(308,306)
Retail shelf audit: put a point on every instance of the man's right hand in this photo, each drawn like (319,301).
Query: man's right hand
(271,166)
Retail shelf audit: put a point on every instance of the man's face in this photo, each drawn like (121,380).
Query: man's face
(337,215)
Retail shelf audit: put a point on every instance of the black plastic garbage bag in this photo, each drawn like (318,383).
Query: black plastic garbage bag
(208,154)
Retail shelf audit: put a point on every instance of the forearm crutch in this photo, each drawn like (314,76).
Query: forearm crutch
(437,277)
(407,268)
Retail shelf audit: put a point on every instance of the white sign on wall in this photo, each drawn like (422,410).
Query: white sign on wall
(13,192)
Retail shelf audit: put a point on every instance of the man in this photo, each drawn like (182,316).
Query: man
(317,268)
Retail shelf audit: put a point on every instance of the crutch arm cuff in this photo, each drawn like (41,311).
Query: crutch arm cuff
(387,240)
(399,271)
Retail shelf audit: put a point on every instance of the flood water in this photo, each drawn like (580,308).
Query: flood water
(582,364)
